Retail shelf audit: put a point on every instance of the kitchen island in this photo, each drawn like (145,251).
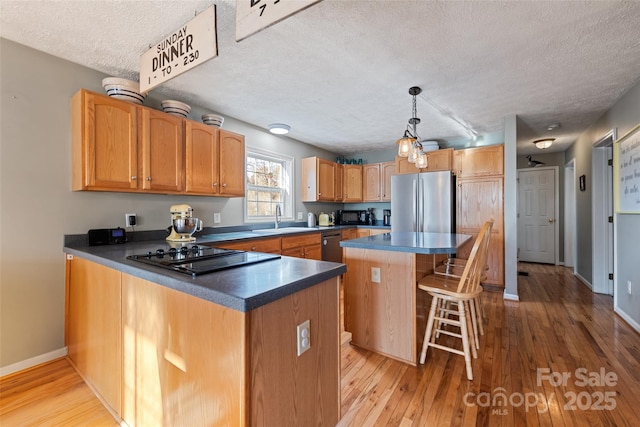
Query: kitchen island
(163,348)
(383,310)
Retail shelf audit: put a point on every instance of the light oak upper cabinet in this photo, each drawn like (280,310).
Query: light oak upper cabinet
(318,180)
(120,146)
(479,161)
(352,183)
(339,184)
(440,160)
(201,153)
(480,197)
(231,164)
(104,143)
(437,160)
(377,181)
(162,145)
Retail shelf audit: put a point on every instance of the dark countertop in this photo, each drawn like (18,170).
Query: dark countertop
(242,289)
(412,242)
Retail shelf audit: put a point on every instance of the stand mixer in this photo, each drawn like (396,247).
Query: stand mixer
(183,224)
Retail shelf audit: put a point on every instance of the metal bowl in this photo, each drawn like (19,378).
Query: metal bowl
(186,225)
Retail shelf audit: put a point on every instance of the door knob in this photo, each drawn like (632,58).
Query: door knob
(551,220)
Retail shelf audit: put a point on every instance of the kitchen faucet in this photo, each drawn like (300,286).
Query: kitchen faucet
(278,215)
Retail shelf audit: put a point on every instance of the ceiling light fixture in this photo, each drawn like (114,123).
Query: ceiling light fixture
(544,143)
(279,128)
(409,145)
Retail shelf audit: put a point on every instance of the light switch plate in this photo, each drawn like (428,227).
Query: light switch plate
(216,217)
(375,274)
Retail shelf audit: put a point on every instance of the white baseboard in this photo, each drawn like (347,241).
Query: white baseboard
(583,280)
(510,297)
(635,325)
(34,361)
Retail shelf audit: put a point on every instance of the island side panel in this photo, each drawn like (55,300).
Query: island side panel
(184,358)
(94,333)
(382,316)
(287,389)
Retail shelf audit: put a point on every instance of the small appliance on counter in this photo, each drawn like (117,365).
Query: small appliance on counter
(371,220)
(311,220)
(386,217)
(332,218)
(323,219)
(352,217)
(183,224)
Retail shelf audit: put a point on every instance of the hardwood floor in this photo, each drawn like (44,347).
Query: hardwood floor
(558,357)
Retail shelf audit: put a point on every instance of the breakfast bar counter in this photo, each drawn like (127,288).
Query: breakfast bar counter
(383,310)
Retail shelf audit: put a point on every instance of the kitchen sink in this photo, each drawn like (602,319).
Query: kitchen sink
(285,230)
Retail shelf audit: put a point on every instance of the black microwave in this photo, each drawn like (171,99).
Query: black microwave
(353,217)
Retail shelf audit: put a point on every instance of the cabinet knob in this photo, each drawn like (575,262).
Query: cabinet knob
(133,178)
(224,185)
(253,248)
(148,178)
(215,184)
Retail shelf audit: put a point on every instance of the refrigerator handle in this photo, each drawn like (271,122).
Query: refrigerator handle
(420,206)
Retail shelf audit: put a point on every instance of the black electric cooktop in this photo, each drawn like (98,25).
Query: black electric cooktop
(196,260)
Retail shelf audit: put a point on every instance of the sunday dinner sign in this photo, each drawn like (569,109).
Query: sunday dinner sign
(255,15)
(189,46)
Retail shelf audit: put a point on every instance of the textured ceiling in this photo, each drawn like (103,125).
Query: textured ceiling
(339,72)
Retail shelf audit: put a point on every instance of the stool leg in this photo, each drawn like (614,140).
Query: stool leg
(474,321)
(427,333)
(465,340)
(479,314)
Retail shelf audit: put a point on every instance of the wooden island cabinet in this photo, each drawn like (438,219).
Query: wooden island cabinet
(158,356)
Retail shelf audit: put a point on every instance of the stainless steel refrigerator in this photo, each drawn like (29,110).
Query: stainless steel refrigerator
(423,202)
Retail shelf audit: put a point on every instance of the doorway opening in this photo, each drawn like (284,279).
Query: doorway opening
(602,211)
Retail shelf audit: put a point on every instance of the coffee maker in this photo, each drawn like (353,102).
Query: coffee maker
(386,217)
(183,224)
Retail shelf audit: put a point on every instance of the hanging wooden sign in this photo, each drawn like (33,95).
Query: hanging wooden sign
(255,15)
(189,46)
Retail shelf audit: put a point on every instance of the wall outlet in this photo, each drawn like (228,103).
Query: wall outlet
(216,217)
(375,274)
(299,215)
(629,287)
(130,220)
(303,332)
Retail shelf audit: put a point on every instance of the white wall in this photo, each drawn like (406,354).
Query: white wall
(38,206)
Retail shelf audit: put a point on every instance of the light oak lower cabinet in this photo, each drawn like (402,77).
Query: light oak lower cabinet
(94,327)
(272,245)
(306,246)
(161,357)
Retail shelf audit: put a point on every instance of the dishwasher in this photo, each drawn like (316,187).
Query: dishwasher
(331,250)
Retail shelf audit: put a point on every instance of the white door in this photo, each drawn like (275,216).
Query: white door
(536,215)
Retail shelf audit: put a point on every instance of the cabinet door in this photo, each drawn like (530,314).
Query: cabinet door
(339,191)
(479,200)
(162,151)
(403,166)
(440,160)
(371,183)
(201,153)
(255,245)
(231,164)
(94,327)
(104,143)
(326,180)
(388,169)
(313,252)
(479,161)
(352,183)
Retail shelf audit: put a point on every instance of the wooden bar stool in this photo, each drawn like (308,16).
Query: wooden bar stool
(454,267)
(461,292)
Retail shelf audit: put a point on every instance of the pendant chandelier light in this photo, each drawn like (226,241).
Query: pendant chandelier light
(409,145)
